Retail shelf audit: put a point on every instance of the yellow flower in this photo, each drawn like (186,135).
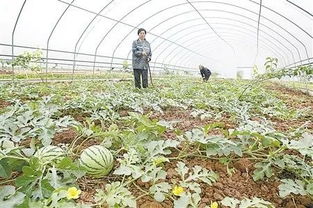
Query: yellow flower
(214,205)
(177,190)
(159,160)
(73,193)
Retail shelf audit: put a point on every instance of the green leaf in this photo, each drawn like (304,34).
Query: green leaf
(188,199)
(218,145)
(24,181)
(182,202)
(115,195)
(268,141)
(309,188)
(181,169)
(153,174)
(9,198)
(67,164)
(255,203)
(246,203)
(161,147)
(289,186)
(202,174)
(304,145)
(129,165)
(31,176)
(160,190)
(5,169)
(46,188)
(208,127)
(158,196)
(263,169)
(34,163)
(231,202)
(25,203)
(27,170)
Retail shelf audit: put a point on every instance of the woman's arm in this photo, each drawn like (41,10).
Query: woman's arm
(135,50)
(149,54)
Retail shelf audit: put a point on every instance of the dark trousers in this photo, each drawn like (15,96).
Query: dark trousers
(141,74)
(206,78)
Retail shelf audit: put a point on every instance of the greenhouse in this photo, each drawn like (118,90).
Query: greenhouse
(156,104)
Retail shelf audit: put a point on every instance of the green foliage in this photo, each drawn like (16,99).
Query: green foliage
(115,195)
(303,145)
(58,199)
(198,174)
(23,121)
(271,64)
(263,169)
(188,200)
(144,124)
(144,165)
(127,121)
(129,165)
(289,186)
(39,181)
(190,180)
(125,65)
(9,197)
(255,71)
(295,165)
(160,190)
(28,60)
(273,72)
(246,203)
(32,182)
(213,145)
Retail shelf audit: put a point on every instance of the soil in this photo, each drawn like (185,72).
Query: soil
(292,97)
(4,104)
(239,185)
(65,137)
(184,121)
(5,72)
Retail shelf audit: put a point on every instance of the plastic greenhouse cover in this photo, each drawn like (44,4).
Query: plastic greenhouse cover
(225,35)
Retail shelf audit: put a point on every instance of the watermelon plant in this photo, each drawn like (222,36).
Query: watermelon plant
(106,144)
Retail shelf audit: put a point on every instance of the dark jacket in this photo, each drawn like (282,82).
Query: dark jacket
(140,61)
(205,73)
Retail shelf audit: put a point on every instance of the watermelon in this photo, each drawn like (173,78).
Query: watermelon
(97,161)
(49,153)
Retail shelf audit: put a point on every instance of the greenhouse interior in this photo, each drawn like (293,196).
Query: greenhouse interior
(156,104)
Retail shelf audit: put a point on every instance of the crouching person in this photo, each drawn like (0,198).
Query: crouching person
(205,73)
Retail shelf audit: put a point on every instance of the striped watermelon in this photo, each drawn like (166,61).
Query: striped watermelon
(49,154)
(97,160)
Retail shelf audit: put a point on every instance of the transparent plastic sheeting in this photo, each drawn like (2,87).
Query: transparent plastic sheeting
(226,36)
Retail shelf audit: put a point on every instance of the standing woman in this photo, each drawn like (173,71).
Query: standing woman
(141,57)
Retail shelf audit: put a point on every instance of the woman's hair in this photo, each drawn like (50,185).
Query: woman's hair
(141,29)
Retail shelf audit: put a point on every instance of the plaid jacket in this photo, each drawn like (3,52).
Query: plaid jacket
(138,60)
